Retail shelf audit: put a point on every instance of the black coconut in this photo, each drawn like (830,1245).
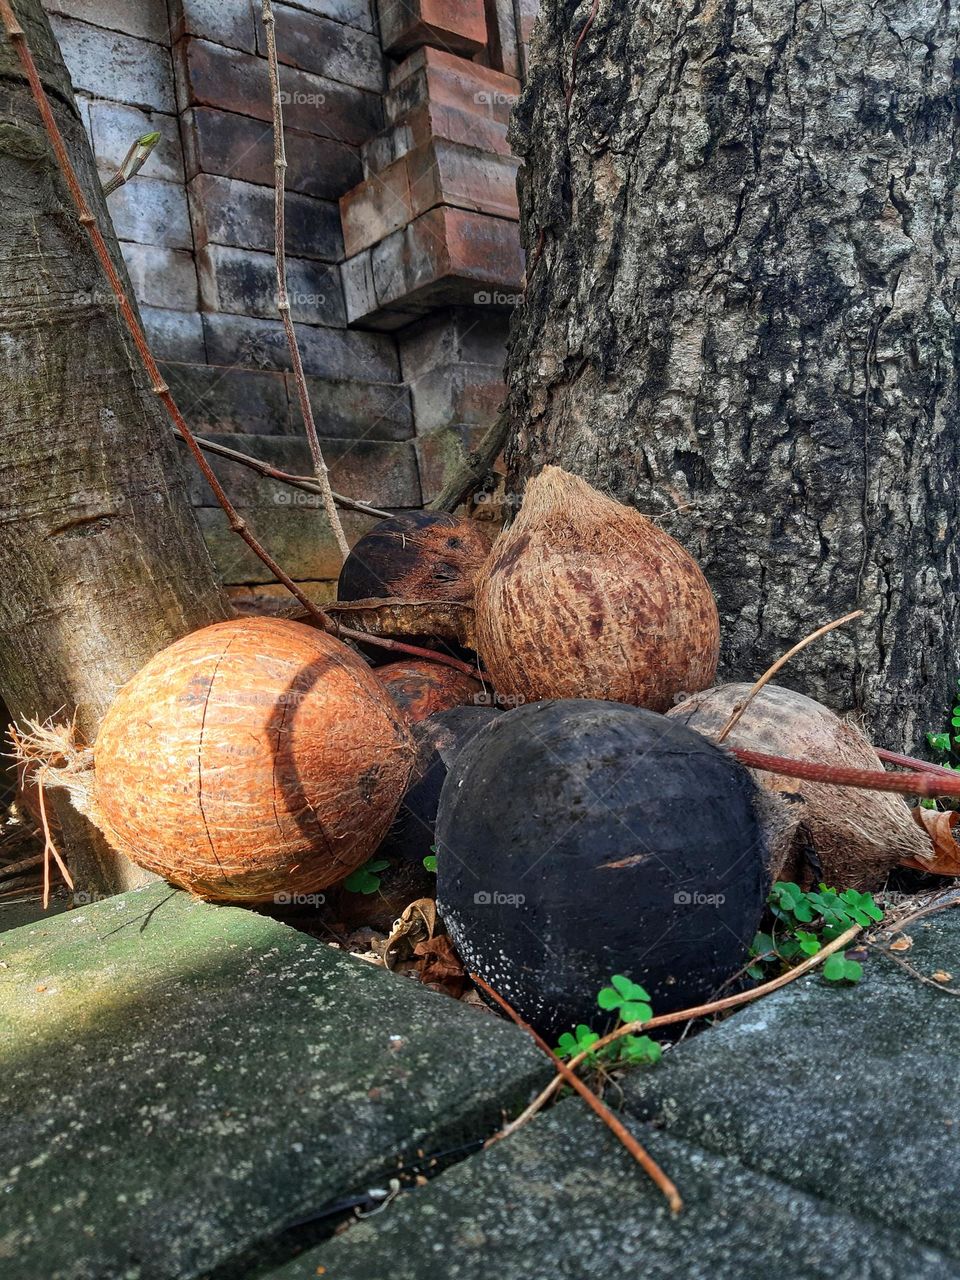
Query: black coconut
(420,555)
(579,839)
(439,738)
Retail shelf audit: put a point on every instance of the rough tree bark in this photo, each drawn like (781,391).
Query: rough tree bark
(742,247)
(101,561)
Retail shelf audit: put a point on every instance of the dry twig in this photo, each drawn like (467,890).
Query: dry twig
(642,1157)
(283,301)
(771,671)
(668,1019)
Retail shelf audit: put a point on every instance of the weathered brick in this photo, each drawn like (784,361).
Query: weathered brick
(227,211)
(146,20)
(161,277)
(174,335)
(360,297)
(459,335)
(451,24)
(114,126)
(381,472)
(348,410)
(424,124)
(445,257)
(227,23)
(243,281)
(210,75)
(221,142)
(216,400)
(318,44)
(432,75)
(152,212)
(332,353)
(306,549)
(457,395)
(437,173)
(107,64)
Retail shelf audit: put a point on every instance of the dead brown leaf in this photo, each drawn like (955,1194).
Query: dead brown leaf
(941,975)
(903,943)
(441,967)
(417,924)
(944,859)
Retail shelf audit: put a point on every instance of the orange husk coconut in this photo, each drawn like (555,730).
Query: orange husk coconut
(251,758)
(420,687)
(857,836)
(583,597)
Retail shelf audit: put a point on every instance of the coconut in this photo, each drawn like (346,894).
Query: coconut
(438,740)
(251,758)
(421,555)
(420,687)
(581,839)
(857,837)
(585,598)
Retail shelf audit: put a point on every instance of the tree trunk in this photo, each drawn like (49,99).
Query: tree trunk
(101,561)
(742,257)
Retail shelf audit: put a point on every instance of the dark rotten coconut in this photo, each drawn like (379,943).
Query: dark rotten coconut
(579,839)
(438,740)
(420,687)
(421,555)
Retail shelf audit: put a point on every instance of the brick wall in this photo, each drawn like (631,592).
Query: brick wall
(403,252)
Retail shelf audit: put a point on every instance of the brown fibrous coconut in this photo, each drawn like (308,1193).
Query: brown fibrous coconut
(420,687)
(858,836)
(583,597)
(251,758)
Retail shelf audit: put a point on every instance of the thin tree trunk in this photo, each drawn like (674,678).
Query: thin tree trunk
(101,560)
(741,316)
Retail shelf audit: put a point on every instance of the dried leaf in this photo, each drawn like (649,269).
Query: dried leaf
(441,967)
(944,859)
(446,619)
(941,976)
(417,924)
(903,943)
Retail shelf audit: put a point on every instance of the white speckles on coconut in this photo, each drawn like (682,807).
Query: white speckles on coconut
(858,836)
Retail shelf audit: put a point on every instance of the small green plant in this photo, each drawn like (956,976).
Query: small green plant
(366,879)
(948,743)
(430,861)
(631,1003)
(803,921)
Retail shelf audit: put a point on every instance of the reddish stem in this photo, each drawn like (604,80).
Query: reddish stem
(908,762)
(910,784)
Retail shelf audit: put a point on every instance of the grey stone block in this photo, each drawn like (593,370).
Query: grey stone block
(228,22)
(563,1200)
(174,335)
(851,1094)
(180,1081)
(461,394)
(470,335)
(227,211)
(146,19)
(380,472)
(296,534)
(243,282)
(214,400)
(374,410)
(152,212)
(318,44)
(161,277)
(236,146)
(332,353)
(114,126)
(107,64)
(356,13)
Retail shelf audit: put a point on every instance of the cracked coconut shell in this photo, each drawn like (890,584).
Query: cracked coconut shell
(857,836)
(251,758)
(583,597)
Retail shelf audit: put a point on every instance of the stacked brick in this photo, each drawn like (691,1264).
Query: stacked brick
(403,250)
